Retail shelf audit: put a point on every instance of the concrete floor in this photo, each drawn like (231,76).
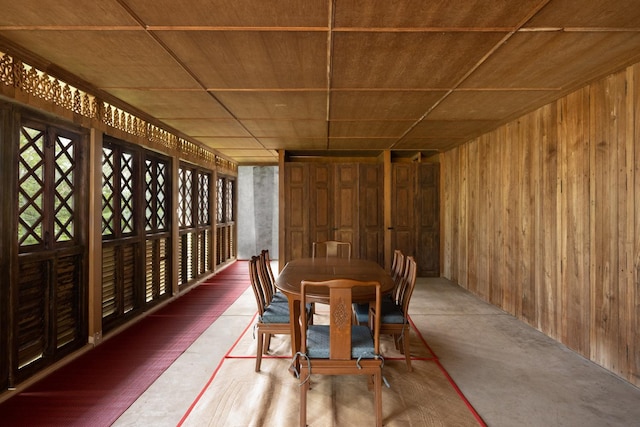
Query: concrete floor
(512,374)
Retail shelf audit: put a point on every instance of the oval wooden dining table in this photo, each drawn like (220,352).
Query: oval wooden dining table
(321,269)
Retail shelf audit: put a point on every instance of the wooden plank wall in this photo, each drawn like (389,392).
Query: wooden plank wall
(541,218)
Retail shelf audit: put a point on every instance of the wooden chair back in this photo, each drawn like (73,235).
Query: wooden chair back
(398,273)
(409,284)
(256,284)
(340,318)
(266,276)
(331,249)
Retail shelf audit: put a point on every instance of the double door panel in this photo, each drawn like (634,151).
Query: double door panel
(345,201)
(335,201)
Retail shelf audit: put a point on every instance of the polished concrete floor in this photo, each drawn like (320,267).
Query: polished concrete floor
(512,374)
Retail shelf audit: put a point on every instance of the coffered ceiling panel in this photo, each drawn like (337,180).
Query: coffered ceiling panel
(107,59)
(287,143)
(406,59)
(247,78)
(203,128)
(554,59)
(435,129)
(486,104)
(368,129)
(622,14)
(366,144)
(309,105)
(161,103)
(435,13)
(287,128)
(28,14)
(232,13)
(382,105)
(252,59)
(226,143)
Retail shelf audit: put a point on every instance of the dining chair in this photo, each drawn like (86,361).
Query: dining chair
(361,310)
(331,249)
(394,317)
(273,317)
(340,348)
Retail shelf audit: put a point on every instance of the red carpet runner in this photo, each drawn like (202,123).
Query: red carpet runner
(95,389)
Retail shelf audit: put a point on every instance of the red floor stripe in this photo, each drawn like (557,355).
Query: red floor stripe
(433,359)
(95,389)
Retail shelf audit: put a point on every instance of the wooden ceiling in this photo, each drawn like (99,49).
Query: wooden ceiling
(250,77)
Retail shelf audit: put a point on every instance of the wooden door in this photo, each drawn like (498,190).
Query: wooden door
(370,209)
(428,220)
(346,206)
(415,214)
(333,203)
(403,235)
(321,203)
(296,211)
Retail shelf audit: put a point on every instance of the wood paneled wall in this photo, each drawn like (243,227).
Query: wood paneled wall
(541,218)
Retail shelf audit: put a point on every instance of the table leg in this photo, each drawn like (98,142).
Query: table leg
(294,322)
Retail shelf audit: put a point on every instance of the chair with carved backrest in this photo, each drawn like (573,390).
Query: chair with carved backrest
(394,319)
(331,248)
(340,348)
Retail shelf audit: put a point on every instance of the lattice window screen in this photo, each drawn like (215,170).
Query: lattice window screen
(229,214)
(64,189)
(31,172)
(203,199)
(126,193)
(108,191)
(220,201)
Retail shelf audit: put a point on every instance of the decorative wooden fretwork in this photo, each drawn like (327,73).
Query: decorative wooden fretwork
(39,84)
(341,315)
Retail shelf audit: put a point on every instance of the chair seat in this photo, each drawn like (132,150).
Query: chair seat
(361,310)
(276,312)
(392,313)
(279,297)
(318,342)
